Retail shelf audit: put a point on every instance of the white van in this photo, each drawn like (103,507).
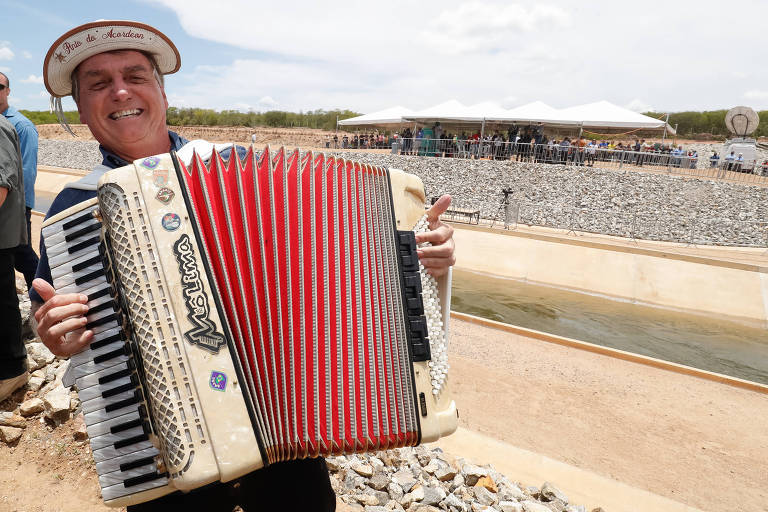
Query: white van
(748,149)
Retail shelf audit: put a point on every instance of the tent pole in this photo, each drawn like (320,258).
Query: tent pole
(482,130)
(666,122)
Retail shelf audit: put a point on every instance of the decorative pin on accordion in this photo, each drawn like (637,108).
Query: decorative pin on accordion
(250,312)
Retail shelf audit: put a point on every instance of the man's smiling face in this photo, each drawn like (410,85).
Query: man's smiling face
(123,104)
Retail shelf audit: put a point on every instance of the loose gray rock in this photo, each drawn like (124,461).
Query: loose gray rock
(10,435)
(39,354)
(473,473)
(365,470)
(510,506)
(379,481)
(534,506)
(57,405)
(35,383)
(405,479)
(31,407)
(550,493)
(484,496)
(433,495)
(445,473)
(9,419)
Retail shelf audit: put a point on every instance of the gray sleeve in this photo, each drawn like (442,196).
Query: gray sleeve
(10,159)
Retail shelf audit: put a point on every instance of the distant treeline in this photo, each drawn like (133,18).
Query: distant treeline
(688,123)
(324,119)
(711,122)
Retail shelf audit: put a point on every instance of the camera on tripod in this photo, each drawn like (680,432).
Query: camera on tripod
(507,192)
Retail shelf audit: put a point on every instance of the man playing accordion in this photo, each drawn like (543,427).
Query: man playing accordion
(114,71)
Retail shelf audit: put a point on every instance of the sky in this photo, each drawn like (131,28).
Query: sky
(248,55)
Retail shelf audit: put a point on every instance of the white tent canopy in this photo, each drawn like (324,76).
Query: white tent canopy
(600,114)
(451,110)
(605,114)
(393,115)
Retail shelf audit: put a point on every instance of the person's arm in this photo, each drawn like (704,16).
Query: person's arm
(3,195)
(28,140)
(439,257)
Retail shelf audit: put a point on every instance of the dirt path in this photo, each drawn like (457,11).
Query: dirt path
(694,441)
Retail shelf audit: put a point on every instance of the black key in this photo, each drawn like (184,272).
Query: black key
(83,245)
(124,403)
(106,341)
(101,321)
(137,463)
(122,351)
(81,232)
(144,478)
(78,220)
(89,277)
(131,440)
(101,293)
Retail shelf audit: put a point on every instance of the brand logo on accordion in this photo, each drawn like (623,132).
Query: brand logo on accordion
(204,333)
(171,222)
(218,380)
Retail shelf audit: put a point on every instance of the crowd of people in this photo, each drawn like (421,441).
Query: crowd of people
(531,144)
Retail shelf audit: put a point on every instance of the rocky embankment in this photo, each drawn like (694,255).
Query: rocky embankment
(642,205)
(628,203)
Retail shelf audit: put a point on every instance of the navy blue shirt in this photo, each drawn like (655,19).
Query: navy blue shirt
(69,197)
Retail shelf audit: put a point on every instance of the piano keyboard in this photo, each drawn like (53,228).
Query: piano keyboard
(105,373)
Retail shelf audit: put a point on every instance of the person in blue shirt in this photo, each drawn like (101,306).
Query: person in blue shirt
(24,256)
(119,91)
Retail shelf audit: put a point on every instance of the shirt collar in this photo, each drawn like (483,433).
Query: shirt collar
(113,161)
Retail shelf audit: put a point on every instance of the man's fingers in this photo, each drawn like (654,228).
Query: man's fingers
(43,288)
(436,251)
(439,208)
(441,234)
(57,301)
(71,343)
(61,313)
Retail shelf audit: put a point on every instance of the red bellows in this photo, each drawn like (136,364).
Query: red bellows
(302,250)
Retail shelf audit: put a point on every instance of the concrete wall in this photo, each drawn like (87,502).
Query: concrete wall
(703,285)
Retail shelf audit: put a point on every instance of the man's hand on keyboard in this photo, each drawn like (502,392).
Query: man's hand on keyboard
(61,319)
(439,257)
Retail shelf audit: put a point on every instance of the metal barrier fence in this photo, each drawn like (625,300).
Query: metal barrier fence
(645,226)
(747,171)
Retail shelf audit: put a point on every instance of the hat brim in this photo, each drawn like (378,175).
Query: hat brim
(101,36)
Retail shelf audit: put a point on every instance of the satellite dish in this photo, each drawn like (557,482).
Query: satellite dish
(741,121)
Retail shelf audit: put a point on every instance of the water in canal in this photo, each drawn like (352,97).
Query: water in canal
(699,341)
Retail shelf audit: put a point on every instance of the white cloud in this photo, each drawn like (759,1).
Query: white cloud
(32,79)
(416,54)
(5,69)
(638,105)
(756,94)
(491,26)
(6,53)
(26,54)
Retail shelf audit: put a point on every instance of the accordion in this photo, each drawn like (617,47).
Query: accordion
(247,312)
